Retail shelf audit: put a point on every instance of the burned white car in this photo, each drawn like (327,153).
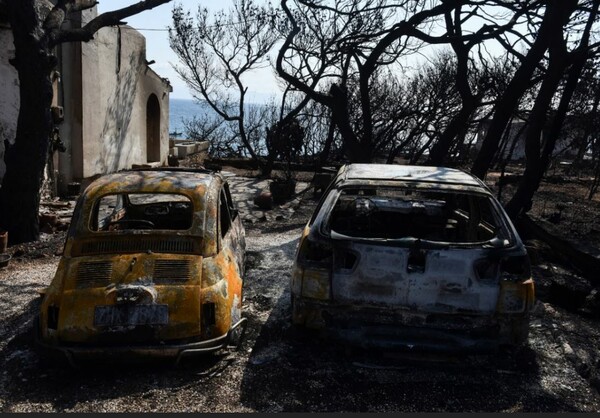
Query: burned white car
(412,257)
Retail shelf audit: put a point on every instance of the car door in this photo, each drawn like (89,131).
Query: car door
(232,231)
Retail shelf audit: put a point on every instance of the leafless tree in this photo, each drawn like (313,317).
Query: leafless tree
(562,62)
(544,19)
(367,35)
(216,51)
(325,61)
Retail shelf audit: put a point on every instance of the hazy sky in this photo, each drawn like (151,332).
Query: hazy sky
(261,84)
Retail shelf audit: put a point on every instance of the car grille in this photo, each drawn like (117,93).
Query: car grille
(171,271)
(123,246)
(94,274)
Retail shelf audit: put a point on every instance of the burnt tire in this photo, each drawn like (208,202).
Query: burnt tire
(520,331)
(296,317)
(44,358)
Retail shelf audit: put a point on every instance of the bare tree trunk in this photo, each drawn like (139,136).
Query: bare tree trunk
(324,155)
(357,151)
(557,11)
(534,169)
(536,163)
(26,158)
(439,151)
(585,138)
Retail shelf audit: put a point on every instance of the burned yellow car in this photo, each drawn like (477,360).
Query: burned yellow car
(412,258)
(152,266)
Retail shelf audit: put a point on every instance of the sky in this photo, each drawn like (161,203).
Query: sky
(153,23)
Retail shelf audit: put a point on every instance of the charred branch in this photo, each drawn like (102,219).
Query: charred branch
(87,32)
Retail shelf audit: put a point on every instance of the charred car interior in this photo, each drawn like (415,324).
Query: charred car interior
(395,213)
(141,211)
(412,258)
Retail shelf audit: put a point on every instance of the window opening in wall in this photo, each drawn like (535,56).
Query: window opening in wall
(153,129)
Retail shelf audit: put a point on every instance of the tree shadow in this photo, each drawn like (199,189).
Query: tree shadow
(293,371)
(31,378)
(116,139)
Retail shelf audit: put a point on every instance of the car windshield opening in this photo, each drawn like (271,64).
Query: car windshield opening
(409,212)
(141,211)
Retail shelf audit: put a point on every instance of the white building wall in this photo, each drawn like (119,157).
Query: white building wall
(104,89)
(105,104)
(116,85)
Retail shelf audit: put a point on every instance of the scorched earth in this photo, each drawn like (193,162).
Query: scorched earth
(280,369)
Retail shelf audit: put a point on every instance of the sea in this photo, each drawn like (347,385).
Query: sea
(181,110)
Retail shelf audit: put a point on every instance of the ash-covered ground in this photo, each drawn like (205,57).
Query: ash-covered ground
(279,369)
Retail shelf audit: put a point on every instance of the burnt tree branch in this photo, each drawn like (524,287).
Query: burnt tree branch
(112,18)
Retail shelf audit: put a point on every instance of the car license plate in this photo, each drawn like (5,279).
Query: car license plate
(131,315)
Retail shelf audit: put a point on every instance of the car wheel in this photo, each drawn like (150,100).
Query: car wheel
(296,315)
(520,331)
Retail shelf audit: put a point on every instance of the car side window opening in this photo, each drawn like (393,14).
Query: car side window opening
(433,215)
(107,209)
(230,205)
(225,218)
(141,211)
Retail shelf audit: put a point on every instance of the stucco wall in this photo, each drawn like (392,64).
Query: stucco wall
(117,84)
(9,97)
(106,88)
(152,83)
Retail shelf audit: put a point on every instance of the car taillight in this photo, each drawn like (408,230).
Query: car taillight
(316,283)
(311,276)
(315,252)
(515,269)
(516,286)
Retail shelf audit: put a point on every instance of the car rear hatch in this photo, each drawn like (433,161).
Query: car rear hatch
(431,280)
(418,258)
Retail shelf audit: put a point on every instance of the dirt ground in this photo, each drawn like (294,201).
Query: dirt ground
(278,369)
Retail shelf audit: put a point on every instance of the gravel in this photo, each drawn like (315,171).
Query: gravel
(278,368)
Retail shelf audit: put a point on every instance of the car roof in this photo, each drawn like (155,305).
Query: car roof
(441,175)
(158,181)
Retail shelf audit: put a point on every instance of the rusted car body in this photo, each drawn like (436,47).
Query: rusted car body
(152,266)
(414,258)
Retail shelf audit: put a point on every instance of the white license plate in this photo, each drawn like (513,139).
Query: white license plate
(112,315)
